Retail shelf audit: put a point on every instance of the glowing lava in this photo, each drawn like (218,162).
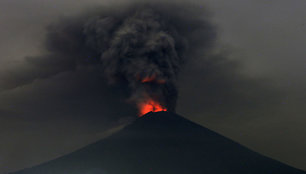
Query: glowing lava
(150,106)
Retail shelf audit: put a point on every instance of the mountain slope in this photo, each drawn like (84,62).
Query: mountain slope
(163,143)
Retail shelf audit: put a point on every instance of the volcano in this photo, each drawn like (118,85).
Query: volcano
(163,143)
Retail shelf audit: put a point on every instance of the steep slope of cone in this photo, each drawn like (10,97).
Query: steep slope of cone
(163,143)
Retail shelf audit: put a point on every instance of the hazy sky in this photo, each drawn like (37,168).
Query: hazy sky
(262,108)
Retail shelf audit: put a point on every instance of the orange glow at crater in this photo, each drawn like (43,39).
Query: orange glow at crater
(150,106)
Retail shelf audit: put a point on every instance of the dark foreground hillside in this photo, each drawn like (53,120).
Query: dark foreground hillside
(163,143)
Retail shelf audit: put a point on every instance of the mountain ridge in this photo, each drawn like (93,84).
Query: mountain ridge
(163,142)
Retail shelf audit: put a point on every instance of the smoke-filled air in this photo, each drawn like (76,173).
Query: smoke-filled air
(140,48)
(79,69)
(144,49)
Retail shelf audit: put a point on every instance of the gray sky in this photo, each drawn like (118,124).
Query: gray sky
(267,38)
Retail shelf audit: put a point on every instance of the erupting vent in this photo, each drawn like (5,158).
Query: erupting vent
(150,106)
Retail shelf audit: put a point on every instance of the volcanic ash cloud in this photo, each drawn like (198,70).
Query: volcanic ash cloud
(144,48)
(140,48)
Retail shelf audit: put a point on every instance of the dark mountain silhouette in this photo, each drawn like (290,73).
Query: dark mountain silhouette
(163,143)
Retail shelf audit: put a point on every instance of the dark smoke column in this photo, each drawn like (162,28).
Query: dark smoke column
(139,48)
(144,47)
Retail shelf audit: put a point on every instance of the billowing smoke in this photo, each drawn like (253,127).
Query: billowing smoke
(64,94)
(140,48)
(143,43)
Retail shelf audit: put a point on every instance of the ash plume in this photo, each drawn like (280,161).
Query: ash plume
(128,44)
(144,43)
